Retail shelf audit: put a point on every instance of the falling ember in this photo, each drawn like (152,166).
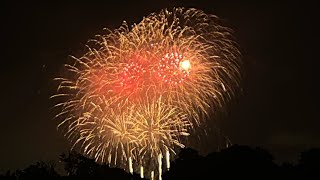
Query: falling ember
(160,165)
(141,172)
(168,159)
(130,165)
(139,92)
(152,175)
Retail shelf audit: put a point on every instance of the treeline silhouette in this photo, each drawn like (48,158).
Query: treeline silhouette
(235,161)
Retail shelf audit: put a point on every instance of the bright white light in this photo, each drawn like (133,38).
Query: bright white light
(185,65)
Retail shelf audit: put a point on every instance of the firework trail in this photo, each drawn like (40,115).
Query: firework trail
(133,99)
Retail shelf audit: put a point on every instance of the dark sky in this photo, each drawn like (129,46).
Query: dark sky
(277,109)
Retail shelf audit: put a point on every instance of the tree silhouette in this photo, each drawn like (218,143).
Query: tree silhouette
(235,161)
(309,163)
(77,165)
(8,175)
(188,165)
(43,170)
(240,161)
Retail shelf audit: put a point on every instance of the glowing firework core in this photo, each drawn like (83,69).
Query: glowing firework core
(173,68)
(131,77)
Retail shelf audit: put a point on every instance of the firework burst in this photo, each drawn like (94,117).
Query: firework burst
(138,92)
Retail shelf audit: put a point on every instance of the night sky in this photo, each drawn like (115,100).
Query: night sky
(276,108)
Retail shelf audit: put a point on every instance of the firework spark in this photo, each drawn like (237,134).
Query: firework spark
(138,92)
